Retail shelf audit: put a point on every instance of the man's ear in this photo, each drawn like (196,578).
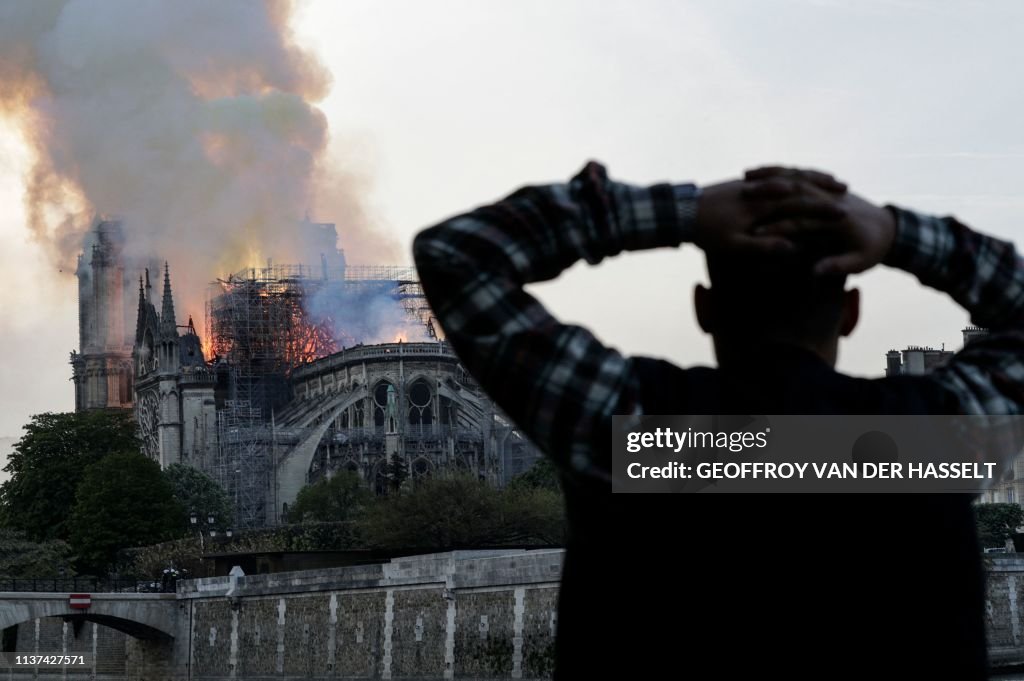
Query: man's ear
(851,312)
(704,306)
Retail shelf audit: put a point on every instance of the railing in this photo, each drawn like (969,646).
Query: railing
(86,585)
(359,353)
(357,435)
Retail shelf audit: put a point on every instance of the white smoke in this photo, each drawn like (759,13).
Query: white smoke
(363,313)
(192,121)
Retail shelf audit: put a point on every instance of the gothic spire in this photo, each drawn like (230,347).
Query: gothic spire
(140,319)
(168,325)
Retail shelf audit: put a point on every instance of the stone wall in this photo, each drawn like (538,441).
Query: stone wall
(472,614)
(1004,608)
(464,614)
(106,650)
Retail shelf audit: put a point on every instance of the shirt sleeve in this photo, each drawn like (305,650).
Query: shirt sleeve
(986,276)
(557,381)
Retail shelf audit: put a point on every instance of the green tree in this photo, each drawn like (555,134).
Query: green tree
(462,512)
(46,467)
(196,491)
(340,498)
(997,523)
(542,475)
(397,472)
(123,501)
(21,558)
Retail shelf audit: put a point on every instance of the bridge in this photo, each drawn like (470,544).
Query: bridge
(146,616)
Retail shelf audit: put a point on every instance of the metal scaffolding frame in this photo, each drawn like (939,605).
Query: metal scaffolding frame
(243,462)
(257,323)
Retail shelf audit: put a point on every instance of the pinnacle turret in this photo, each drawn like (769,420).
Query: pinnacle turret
(168,325)
(140,318)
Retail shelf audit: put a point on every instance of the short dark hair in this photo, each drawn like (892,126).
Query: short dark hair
(755,295)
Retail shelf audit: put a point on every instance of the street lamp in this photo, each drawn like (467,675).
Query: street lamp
(193,520)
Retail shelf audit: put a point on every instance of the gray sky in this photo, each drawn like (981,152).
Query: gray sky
(442,106)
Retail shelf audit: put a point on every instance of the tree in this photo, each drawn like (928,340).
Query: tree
(462,512)
(397,472)
(196,491)
(47,464)
(542,475)
(21,558)
(124,500)
(997,523)
(339,498)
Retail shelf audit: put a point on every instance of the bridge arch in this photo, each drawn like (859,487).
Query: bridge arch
(148,617)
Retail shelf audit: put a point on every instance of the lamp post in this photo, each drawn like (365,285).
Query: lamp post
(193,520)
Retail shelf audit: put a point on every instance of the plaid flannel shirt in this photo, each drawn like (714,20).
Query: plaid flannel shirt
(561,385)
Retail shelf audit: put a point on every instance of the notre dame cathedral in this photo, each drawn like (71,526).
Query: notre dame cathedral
(281,397)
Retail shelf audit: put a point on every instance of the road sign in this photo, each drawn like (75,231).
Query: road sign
(80,601)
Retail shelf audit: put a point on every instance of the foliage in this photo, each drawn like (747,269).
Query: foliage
(24,559)
(397,473)
(123,500)
(196,491)
(461,512)
(542,475)
(339,498)
(46,467)
(147,562)
(997,523)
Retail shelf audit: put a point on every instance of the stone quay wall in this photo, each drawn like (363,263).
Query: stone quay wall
(472,614)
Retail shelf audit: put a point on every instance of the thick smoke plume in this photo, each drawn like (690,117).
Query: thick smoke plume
(192,121)
(363,314)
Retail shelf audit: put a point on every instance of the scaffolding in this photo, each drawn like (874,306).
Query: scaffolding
(257,321)
(242,466)
(260,327)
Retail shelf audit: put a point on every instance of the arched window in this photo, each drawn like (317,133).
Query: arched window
(380,402)
(421,403)
(420,469)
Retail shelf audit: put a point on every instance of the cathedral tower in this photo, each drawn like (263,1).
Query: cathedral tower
(102,367)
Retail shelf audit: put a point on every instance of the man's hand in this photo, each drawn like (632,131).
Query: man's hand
(727,213)
(857,242)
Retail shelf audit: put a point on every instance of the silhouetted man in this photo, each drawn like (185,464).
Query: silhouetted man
(789,585)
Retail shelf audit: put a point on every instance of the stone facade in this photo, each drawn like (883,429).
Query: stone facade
(371,408)
(174,387)
(102,366)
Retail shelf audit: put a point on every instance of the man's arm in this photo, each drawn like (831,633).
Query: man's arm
(986,276)
(558,382)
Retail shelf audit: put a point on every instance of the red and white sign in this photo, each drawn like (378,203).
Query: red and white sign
(80,601)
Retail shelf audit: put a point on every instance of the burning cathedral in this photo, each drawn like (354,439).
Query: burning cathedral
(302,370)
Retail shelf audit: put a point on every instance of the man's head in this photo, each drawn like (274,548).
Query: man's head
(755,299)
